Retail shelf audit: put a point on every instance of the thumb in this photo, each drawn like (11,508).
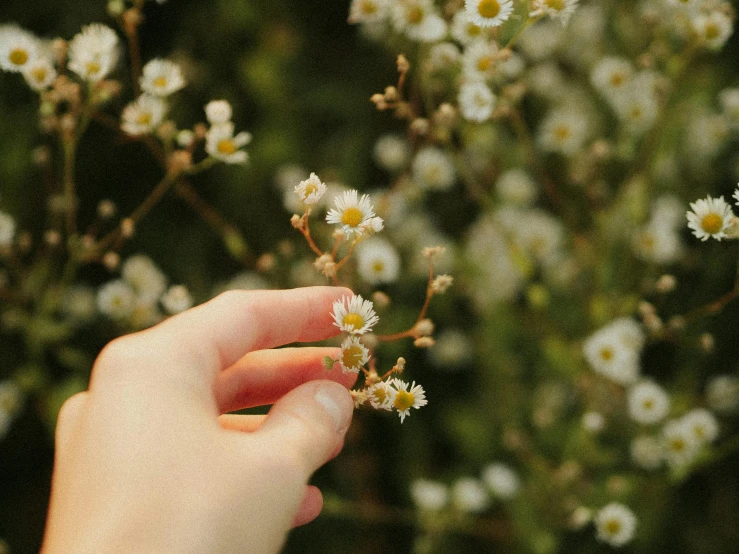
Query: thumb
(310,422)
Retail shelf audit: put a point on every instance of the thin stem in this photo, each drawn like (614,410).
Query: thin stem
(69,147)
(305,230)
(410,333)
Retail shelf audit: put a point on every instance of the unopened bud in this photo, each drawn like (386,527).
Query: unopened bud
(424,342)
(403,64)
(106,209)
(431,252)
(128,227)
(424,328)
(707,342)
(266,262)
(666,284)
(297,221)
(420,126)
(441,283)
(380,299)
(111,261)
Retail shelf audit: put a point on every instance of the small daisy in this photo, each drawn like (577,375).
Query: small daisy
(476,102)
(703,424)
(354,315)
(367,11)
(18,48)
(501,480)
(648,403)
(429,495)
(433,169)
(7,229)
(116,299)
(610,355)
(378,261)
(143,115)
(722,393)
(469,495)
(713,29)
(218,111)
(465,31)
(516,186)
(403,399)
(711,217)
(564,131)
(353,355)
(611,75)
(615,524)
(311,190)
(221,143)
(352,213)
(488,13)
(679,442)
(380,395)
(479,59)
(161,78)
(93,52)
(177,299)
(147,280)
(39,74)
(637,108)
(561,10)
(419,20)
(392,152)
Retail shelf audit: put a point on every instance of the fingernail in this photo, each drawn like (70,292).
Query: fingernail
(329,399)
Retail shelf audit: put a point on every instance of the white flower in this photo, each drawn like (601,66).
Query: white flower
(18,48)
(353,355)
(161,78)
(392,152)
(368,11)
(380,395)
(561,10)
(443,55)
(479,60)
(39,73)
(637,108)
(713,29)
(488,13)
(116,299)
(7,229)
(377,261)
(648,403)
(593,422)
(352,213)
(729,99)
(429,495)
(147,280)
(539,234)
(93,52)
(564,131)
(611,75)
(470,495)
(615,524)
(646,452)
(218,111)
(501,480)
(419,20)
(143,115)
(221,143)
(452,349)
(613,351)
(722,393)
(79,303)
(703,425)
(657,243)
(311,190)
(476,101)
(177,299)
(679,442)
(354,315)
(463,30)
(516,186)
(403,399)
(711,217)
(433,169)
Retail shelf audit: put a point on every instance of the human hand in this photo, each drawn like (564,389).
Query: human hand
(145,462)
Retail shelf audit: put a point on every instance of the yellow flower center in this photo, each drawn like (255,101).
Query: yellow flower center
(39,74)
(488,8)
(18,56)
(558,5)
(160,82)
(352,357)
(352,217)
(712,223)
(483,64)
(606,354)
(226,146)
(380,395)
(310,188)
(414,14)
(93,68)
(648,404)
(617,79)
(699,431)
(378,266)
(473,30)
(144,119)
(368,6)
(403,400)
(613,526)
(712,31)
(636,112)
(678,445)
(355,321)
(562,132)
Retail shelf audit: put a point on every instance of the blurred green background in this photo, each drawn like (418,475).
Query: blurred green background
(299,78)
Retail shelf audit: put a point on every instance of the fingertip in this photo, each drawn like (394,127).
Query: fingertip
(310,507)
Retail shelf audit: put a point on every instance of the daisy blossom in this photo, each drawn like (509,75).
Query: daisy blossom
(711,217)
(352,213)
(488,13)
(403,399)
(311,190)
(353,355)
(354,315)
(221,143)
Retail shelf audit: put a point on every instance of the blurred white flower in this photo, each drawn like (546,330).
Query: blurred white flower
(615,524)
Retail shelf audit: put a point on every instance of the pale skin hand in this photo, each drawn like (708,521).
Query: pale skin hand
(145,460)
